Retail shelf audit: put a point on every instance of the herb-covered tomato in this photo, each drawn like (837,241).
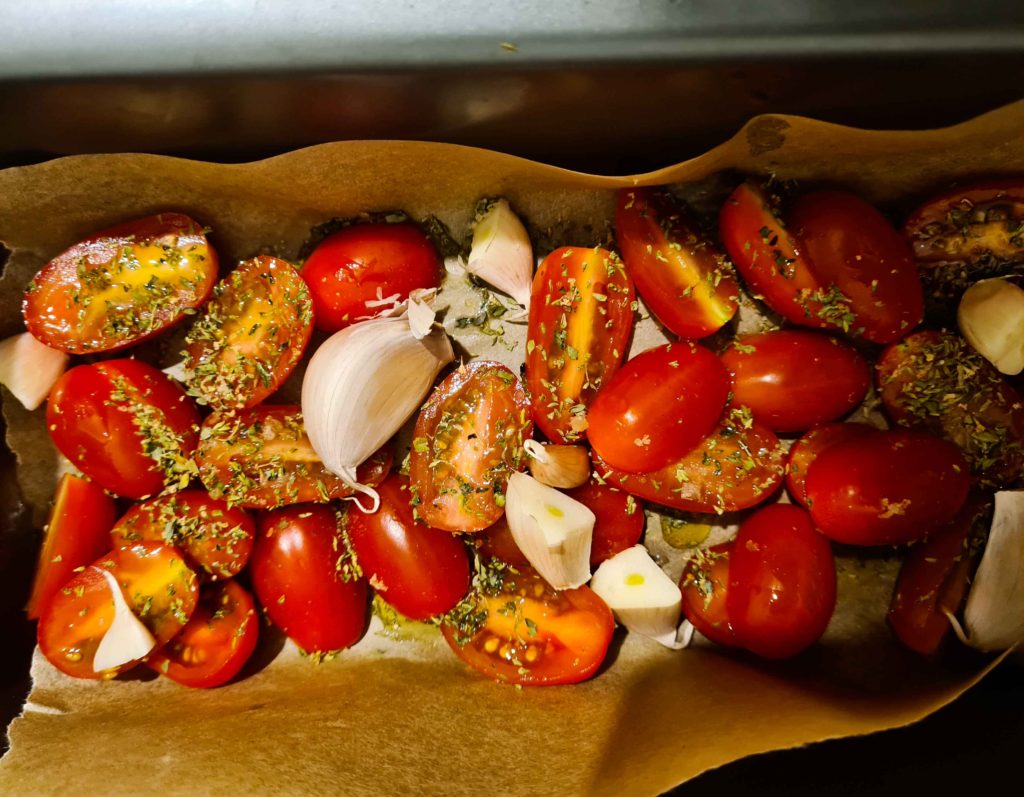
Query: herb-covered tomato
(618,519)
(122,285)
(250,336)
(468,440)
(125,425)
(581,318)
(705,585)
(685,283)
(807,449)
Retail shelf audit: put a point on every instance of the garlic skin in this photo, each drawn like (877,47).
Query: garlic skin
(991,318)
(127,639)
(558,466)
(29,368)
(553,531)
(501,254)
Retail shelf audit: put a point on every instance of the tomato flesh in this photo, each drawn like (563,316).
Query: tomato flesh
(705,584)
(807,449)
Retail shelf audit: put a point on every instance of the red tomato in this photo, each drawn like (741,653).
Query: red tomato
(125,425)
(782,582)
(262,459)
(468,439)
(157,586)
(705,584)
(807,449)
(792,380)
(250,336)
(657,407)
(298,580)
(420,571)
(364,263)
(77,534)
(527,633)
(581,318)
(122,285)
(216,643)
(886,488)
(212,535)
(619,519)
(687,285)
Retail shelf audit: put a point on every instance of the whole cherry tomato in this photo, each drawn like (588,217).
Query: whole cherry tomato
(705,584)
(807,449)
(497,542)
(619,519)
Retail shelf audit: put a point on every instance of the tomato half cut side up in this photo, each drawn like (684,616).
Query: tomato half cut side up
(705,585)
(527,633)
(807,449)
(467,441)
(122,285)
(581,319)
(684,281)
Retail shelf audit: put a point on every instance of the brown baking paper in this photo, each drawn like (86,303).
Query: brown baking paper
(399,716)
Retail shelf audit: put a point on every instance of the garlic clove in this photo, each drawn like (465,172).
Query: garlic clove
(29,368)
(991,318)
(553,531)
(127,639)
(501,254)
(558,466)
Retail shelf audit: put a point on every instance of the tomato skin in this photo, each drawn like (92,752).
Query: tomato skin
(619,522)
(792,380)
(104,417)
(366,262)
(657,407)
(683,280)
(78,533)
(298,583)
(78,303)
(807,449)
(705,584)
(886,488)
(496,542)
(575,341)
(467,441)
(420,571)
(782,582)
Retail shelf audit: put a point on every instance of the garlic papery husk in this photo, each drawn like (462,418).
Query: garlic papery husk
(501,254)
(558,466)
(29,369)
(994,614)
(362,384)
(991,318)
(127,639)
(642,597)
(553,531)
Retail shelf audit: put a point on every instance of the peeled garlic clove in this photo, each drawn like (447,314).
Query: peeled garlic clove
(991,318)
(29,369)
(501,254)
(553,531)
(559,466)
(643,598)
(127,639)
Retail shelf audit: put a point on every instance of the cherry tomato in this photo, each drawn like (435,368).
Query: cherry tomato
(782,582)
(581,318)
(792,380)
(122,285)
(364,263)
(216,643)
(687,285)
(125,425)
(262,459)
(468,439)
(297,577)
(157,585)
(213,536)
(807,449)
(496,542)
(250,336)
(77,534)
(619,521)
(886,488)
(657,407)
(420,571)
(705,584)
(527,633)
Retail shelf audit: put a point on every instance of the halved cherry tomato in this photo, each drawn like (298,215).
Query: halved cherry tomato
(262,459)
(886,488)
(782,582)
(468,440)
(212,536)
(420,571)
(216,643)
(121,286)
(297,575)
(125,425)
(657,407)
(77,533)
(687,285)
(364,263)
(792,380)
(527,633)
(619,519)
(705,584)
(807,449)
(157,585)
(581,318)
(250,336)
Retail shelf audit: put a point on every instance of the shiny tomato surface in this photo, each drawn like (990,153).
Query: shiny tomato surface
(705,585)
(807,448)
